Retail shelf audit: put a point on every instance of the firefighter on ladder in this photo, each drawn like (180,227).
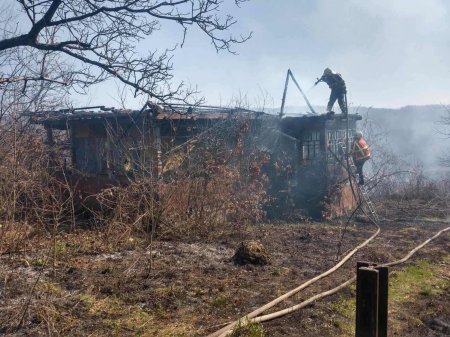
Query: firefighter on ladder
(360,154)
(338,90)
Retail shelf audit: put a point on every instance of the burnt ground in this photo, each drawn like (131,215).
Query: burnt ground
(79,285)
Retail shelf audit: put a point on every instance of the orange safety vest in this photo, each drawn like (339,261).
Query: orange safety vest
(360,150)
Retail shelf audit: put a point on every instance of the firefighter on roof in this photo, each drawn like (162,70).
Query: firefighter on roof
(360,154)
(338,90)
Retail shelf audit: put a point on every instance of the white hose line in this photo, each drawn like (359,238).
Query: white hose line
(307,302)
(303,304)
(296,290)
(412,252)
(299,306)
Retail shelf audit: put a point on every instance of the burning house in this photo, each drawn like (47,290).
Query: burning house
(318,184)
(305,171)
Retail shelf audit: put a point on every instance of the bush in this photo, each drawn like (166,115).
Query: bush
(213,184)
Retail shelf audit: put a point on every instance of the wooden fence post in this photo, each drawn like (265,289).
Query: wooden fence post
(383,287)
(367,285)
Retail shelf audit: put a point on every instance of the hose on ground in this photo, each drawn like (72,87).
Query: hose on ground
(304,285)
(295,290)
(321,295)
(224,331)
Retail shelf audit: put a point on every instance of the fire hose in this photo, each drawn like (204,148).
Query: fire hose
(227,330)
(252,317)
(296,290)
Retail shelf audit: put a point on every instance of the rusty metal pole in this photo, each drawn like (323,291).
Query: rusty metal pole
(367,282)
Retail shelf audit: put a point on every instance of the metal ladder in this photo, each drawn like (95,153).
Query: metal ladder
(368,203)
(370,208)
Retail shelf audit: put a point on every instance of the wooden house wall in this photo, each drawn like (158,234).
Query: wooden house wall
(314,182)
(88,147)
(104,147)
(110,147)
(339,196)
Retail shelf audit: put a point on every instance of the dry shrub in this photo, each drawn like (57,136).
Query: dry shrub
(30,195)
(205,188)
(416,194)
(415,185)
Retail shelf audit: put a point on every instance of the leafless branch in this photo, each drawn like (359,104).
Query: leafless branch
(100,39)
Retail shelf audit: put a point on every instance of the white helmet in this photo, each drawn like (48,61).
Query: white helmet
(358,135)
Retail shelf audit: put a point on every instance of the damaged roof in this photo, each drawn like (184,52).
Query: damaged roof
(58,119)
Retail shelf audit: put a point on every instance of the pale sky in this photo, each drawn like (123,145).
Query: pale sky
(390,53)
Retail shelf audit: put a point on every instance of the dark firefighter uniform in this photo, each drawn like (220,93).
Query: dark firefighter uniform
(360,154)
(338,89)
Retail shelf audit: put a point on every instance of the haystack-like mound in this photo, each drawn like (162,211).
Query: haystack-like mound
(251,252)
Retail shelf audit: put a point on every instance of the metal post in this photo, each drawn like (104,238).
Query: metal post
(286,84)
(367,302)
(283,100)
(301,91)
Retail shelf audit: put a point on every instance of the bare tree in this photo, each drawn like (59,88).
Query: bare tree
(81,42)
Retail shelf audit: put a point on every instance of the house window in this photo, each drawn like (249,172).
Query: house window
(337,141)
(311,145)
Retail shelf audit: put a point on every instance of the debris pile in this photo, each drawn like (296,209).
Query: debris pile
(251,252)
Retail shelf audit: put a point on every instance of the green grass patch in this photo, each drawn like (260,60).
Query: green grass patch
(39,262)
(169,292)
(248,329)
(346,309)
(221,300)
(119,319)
(419,279)
(50,289)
